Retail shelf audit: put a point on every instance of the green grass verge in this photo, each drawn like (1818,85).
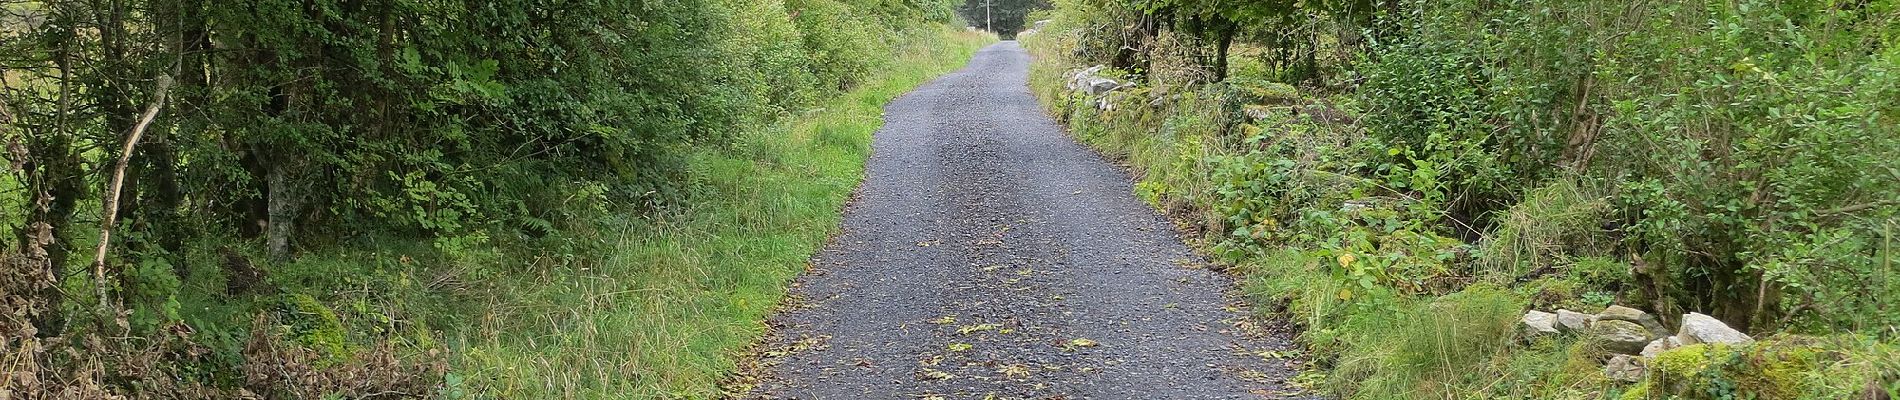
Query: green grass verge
(667,311)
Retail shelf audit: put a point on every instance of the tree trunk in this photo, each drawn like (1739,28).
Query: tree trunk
(283,206)
(116,187)
(1225,42)
(54,184)
(157,206)
(1584,126)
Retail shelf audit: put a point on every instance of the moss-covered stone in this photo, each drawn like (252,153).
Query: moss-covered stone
(1779,370)
(314,325)
(1638,392)
(1266,92)
(1708,371)
(1686,361)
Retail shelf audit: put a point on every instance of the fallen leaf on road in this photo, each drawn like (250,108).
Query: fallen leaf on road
(968,329)
(1272,354)
(1017,371)
(934,375)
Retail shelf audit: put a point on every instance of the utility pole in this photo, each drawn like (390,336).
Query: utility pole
(986,16)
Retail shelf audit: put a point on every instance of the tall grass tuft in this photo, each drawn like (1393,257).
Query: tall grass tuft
(1563,217)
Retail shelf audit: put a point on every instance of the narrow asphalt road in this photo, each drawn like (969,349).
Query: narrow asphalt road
(988,254)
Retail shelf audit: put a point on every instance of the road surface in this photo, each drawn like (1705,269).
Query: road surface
(988,254)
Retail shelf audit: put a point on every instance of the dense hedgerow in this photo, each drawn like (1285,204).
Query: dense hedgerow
(361,155)
(1478,158)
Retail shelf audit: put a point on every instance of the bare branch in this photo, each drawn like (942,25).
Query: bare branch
(1856,207)
(118,183)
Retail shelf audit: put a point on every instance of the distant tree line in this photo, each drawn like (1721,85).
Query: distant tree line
(1005,17)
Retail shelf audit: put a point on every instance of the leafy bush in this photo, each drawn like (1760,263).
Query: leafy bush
(1753,159)
(768,41)
(842,48)
(351,169)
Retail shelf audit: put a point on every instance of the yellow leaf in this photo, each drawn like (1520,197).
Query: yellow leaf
(1015,371)
(1345,260)
(1345,294)
(968,329)
(935,375)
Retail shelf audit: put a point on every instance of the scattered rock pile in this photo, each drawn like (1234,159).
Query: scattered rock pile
(1634,337)
(1574,322)
(1539,323)
(1033,30)
(1090,82)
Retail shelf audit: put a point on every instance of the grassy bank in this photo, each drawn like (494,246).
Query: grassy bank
(665,312)
(1405,207)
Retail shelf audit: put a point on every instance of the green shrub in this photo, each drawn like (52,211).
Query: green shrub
(1753,158)
(770,44)
(842,47)
(1429,106)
